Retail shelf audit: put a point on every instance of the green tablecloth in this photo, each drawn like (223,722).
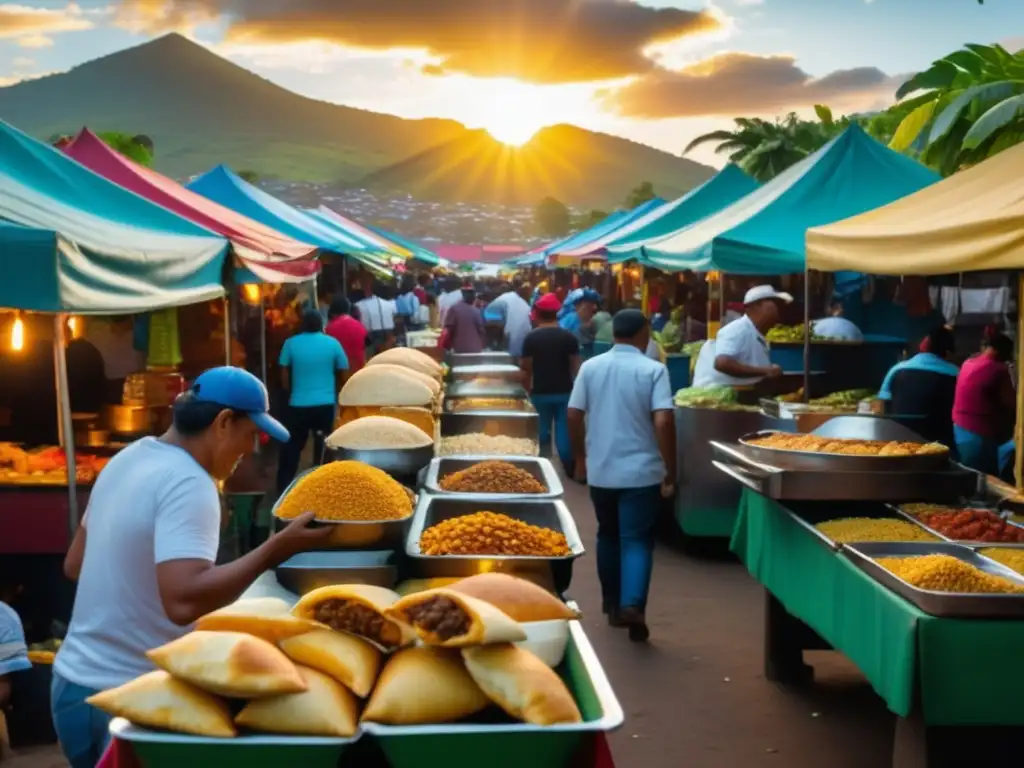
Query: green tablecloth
(710,522)
(969,671)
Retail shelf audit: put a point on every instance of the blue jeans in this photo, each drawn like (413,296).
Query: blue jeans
(81,729)
(554,408)
(625,543)
(979,453)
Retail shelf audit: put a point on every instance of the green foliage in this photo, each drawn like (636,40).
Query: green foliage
(248,175)
(589,219)
(640,194)
(129,146)
(551,217)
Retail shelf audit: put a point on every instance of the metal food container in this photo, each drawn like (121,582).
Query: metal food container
(968,542)
(311,570)
(944,604)
(546,513)
(355,534)
(541,469)
(511,423)
(460,359)
(835,512)
(394,461)
(503,389)
(838,462)
(503,743)
(478,404)
(486,374)
(160,749)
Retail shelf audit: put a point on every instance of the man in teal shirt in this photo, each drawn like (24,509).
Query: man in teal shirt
(313,367)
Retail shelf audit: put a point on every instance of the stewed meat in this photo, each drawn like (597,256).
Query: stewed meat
(357,619)
(440,615)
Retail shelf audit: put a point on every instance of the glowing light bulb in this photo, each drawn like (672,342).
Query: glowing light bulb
(251,294)
(18,335)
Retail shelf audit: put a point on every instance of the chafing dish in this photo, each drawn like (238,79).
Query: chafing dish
(542,470)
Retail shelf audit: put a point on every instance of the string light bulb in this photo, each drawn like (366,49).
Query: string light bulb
(18,334)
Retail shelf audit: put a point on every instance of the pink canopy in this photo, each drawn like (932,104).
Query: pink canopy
(271,256)
(484,254)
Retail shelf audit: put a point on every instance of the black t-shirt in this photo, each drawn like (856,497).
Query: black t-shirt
(551,348)
(927,395)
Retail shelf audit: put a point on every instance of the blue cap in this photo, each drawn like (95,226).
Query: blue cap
(240,391)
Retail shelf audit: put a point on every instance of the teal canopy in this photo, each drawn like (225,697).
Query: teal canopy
(419,252)
(71,241)
(607,226)
(763,233)
(724,188)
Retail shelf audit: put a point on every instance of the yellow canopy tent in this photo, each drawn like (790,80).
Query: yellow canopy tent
(970,222)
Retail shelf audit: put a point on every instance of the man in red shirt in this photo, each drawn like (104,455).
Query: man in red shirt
(349,332)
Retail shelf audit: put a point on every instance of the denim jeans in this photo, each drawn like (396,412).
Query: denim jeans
(81,728)
(554,409)
(626,519)
(977,452)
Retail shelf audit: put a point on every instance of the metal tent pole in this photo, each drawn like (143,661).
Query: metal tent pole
(263,334)
(227,330)
(807,334)
(65,426)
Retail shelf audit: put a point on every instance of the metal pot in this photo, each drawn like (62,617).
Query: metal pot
(127,419)
(92,438)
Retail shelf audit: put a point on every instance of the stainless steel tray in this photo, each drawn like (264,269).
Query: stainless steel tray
(354,534)
(497,389)
(496,373)
(541,469)
(548,513)
(775,482)
(835,462)
(510,423)
(945,604)
(610,718)
(487,405)
(123,729)
(967,542)
(480,358)
(394,461)
(311,570)
(878,513)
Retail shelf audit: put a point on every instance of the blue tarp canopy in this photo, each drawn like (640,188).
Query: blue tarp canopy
(763,233)
(71,241)
(608,226)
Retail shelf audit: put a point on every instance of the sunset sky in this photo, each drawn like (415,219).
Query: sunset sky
(656,71)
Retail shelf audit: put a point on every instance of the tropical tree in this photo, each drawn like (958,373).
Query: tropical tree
(248,175)
(965,107)
(589,219)
(640,194)
(137,148)
(552,217)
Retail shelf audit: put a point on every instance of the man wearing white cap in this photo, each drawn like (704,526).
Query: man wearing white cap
(739,354)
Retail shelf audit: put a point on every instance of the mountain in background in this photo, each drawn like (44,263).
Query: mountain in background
(201,109)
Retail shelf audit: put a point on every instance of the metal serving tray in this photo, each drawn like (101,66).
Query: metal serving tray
(599,706)
(512,390)
(394,461)
(459,360)
(487,405)
(548,513)
(311,570)
(967,542)
(541,469)
(354,534)
(785,483)
(488,373)
(880,512)
(836,462)
(945,604)
(509,423)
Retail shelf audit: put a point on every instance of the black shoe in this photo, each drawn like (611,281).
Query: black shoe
(633,618)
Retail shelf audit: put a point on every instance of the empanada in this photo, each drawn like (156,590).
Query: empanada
(267,617)
(453,620)
(520,600)
(350,660)
(157,700)
(359,610)
(521,684)
(424,685)
(325,708)
(229,664)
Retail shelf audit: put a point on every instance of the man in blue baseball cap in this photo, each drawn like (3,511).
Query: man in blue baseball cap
(144,556)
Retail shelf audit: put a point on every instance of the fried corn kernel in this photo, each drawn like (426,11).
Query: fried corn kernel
(845,446)
(918,509)
(492,533)
(853,529)
(492,477)
(945,573)
(487,445)
(347,490)
(1011,558)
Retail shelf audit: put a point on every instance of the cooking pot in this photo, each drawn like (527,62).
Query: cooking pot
(128,419)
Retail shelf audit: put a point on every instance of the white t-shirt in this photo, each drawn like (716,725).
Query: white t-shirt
(377,314)
(446,301)
(517,320)
(739,340)
(151,504)
(837,328)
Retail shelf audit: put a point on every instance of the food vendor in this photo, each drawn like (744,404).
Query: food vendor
(144,556)
(512,307)
(739,355)
(984,404)
(922,389)
(835,326)
(13,659)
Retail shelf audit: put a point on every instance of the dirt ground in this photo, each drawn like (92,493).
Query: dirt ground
(695,696)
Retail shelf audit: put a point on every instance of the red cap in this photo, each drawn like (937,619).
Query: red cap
(548,303)
(467,286)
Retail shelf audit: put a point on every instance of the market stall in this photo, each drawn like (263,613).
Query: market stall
(462,552)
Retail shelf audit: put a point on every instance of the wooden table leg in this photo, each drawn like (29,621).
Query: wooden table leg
(784,645)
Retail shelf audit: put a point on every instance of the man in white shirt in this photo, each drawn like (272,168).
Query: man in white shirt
(739,355)
(835,326)
(448,299)
(145,552)
(515,310)
(377,313)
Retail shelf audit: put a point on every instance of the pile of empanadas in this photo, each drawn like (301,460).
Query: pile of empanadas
(435,656)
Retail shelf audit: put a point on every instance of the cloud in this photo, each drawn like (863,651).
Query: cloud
(541,41)
(26,22)
(35,41)
(729,84)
